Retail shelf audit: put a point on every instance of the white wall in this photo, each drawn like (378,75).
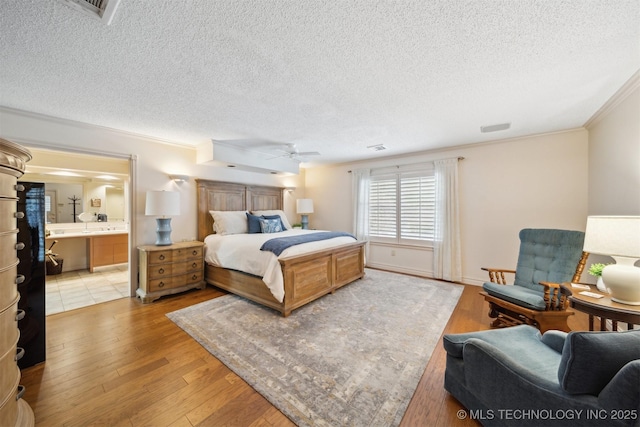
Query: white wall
(539,181)
(614,154)
(155,161)
(614,157)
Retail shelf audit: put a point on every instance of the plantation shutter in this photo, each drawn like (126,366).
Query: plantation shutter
(417,206)
(402,205)
(383,207)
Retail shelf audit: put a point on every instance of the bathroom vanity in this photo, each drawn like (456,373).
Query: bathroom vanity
(89,248)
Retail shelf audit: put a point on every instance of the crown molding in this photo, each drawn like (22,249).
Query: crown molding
(630,85)
(83,125)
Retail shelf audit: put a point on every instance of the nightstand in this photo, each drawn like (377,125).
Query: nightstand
(166,270)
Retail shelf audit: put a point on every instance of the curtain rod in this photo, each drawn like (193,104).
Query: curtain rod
(397,166)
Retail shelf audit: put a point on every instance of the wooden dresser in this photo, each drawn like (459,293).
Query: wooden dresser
(14,411)
(166,270)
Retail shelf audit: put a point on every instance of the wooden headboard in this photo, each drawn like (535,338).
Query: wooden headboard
(229,196)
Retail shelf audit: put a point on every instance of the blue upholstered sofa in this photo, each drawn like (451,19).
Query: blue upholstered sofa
(517,377)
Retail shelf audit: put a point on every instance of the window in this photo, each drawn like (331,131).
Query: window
(402,207)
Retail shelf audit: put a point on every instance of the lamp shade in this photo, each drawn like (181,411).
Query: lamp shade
(162,203)
(304,206)
(613,236)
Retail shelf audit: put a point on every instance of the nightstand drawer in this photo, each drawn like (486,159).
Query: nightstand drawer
(175,281)
(164,283)
(160,257)
(194,265)
(162,270)
(194,277)
(180,255)
(195,252)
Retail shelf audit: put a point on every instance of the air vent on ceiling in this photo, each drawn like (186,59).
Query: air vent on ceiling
(495,128)
(378,147)
(101,9)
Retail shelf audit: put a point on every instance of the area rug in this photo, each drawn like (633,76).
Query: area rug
(353,358)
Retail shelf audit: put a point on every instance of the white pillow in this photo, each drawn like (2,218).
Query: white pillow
(283,217)
(229,222)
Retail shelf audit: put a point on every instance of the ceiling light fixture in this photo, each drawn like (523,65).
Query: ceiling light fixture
(64,173)
(495,128)
(107,177)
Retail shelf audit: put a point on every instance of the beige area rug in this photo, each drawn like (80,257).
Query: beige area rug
(353,358)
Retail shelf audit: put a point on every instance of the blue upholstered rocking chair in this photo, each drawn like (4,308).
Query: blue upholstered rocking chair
(547,259)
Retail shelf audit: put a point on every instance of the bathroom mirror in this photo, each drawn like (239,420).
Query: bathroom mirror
(64,202)
(99,189)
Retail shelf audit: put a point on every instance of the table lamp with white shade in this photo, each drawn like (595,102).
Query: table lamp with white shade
(618,237)
(163,204)
(304,207)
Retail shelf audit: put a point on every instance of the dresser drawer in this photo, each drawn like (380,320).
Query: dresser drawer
(161,257)
(194,265)
(164,283)
(8,242)
(194,277)
(8,214)
(195,252)
(176,269)
(183,254)
(8,185)
(162,270)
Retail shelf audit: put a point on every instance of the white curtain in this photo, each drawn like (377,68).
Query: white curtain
(447,264)
(360,192)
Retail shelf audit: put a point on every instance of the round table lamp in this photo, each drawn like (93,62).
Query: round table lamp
(304,208)
(618,237)
(163,204)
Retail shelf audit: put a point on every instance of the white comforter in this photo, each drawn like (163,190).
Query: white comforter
(242,252)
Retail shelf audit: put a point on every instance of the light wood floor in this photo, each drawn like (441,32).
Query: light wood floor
(123,363)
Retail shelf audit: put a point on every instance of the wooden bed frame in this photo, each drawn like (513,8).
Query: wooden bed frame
(306,277)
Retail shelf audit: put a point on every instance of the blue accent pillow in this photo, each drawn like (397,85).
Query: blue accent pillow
(272,225)
(276,217)
(253,222)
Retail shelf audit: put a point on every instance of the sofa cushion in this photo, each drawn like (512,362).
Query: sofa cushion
(524,297)
(623,391)
(591,359)
(518,339)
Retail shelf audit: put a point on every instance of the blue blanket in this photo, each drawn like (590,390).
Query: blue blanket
(279,244)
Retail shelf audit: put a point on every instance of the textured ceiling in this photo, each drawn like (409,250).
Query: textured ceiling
(333,76)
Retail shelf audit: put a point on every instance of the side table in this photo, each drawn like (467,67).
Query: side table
(605,308)
(166,270)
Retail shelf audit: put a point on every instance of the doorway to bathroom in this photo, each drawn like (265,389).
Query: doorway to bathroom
(87,226)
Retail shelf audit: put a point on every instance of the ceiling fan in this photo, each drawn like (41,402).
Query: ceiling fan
(291,151)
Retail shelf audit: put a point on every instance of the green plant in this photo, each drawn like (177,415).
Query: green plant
(296,225)
(596,269)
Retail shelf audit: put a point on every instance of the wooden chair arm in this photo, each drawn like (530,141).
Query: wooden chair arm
(496,275)
(556,295)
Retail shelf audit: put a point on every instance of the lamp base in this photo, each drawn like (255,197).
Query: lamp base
(623,281)
(163,231)
(304,221)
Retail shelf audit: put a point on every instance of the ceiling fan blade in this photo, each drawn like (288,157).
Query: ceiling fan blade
(307,153)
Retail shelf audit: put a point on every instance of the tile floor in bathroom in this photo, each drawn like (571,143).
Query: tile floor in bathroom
(75,289)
